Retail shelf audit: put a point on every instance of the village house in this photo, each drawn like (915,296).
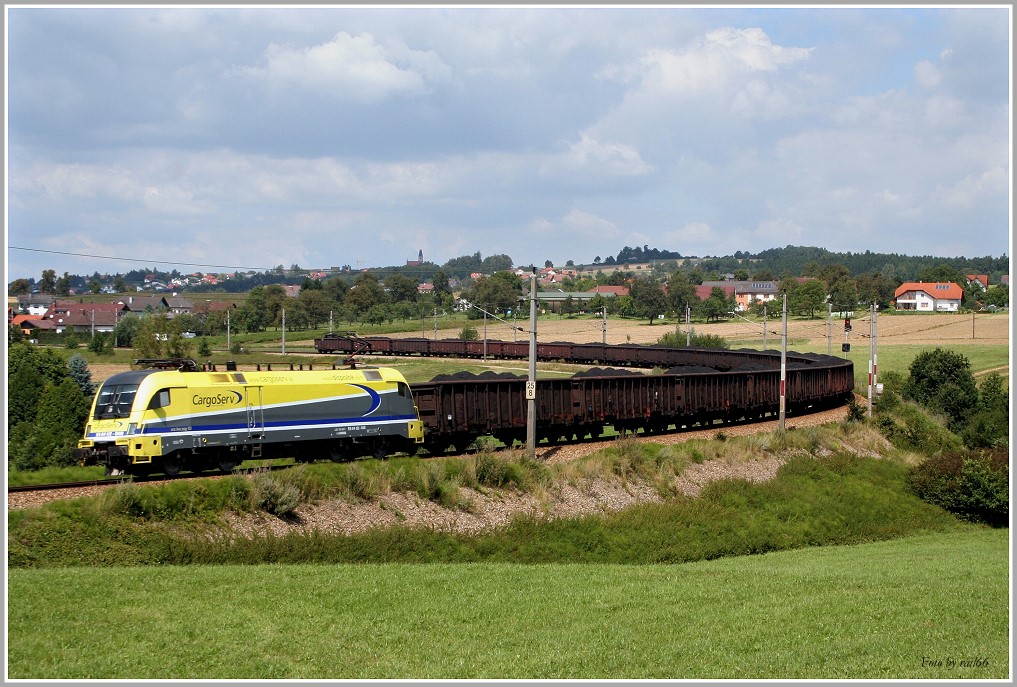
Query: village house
(140,304)
(929,296)
(981,279)
(746,293)
(35,303)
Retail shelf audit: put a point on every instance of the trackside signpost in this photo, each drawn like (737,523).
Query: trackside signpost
(531,384)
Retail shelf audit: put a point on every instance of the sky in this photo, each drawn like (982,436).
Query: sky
(245,137)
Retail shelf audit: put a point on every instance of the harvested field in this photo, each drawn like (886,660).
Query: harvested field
(910,328)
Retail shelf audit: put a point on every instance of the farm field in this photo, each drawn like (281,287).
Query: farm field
(926,607)
(901,338)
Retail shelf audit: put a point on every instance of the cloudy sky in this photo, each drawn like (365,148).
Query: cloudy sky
(253,137)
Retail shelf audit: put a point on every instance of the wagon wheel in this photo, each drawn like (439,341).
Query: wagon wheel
(226,464)
(172,464)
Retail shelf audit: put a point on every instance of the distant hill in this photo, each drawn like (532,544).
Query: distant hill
(798,260)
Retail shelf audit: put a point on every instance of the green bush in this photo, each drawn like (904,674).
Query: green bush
(273,495)
(911,427)
(942,381)
(974,486)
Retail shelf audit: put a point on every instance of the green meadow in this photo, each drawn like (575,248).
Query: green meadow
(924,607)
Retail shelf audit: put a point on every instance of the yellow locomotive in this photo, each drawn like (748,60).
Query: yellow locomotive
(173,420)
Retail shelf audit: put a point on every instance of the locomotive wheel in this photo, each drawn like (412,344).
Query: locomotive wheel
(172,464)
(337,452)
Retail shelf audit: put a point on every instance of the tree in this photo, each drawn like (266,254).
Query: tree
(680,293)
(942,381)
(101,343)
(63,285)
(874,287)
(25,384)
(805,298)
(318,306)
(19,287)
(336,289)
(252,316)
(496,293)
(717,305)
(442,291)
(152,340)
(998,296)
(48,282)
(648,298)
(496,263)
(401,288)
(989,424)
(365,293)
(119,284)
(124,332)
(81,375)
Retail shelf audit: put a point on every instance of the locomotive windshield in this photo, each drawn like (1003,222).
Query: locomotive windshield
(115,401)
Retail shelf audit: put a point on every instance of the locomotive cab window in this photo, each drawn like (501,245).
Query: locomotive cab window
(404,390)
(160,399)
(115,401)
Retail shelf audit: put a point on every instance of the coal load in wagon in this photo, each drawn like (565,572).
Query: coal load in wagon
(606,372)
(689,369)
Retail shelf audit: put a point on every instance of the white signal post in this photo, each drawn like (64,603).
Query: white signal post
(873,329)
(783,366)
(531,384)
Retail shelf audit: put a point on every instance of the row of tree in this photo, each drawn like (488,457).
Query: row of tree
(48,399)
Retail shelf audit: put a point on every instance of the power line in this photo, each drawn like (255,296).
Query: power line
(140,260)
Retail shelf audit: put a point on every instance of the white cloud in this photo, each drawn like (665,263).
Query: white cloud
(354,68)
(927,74)
(575,225)
(593,159)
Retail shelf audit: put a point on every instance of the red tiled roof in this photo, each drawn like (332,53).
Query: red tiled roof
(936,290)
(703,292)
(616,290)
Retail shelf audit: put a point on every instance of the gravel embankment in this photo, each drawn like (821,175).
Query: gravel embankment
(496,508)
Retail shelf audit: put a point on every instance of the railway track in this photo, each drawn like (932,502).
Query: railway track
(133,479)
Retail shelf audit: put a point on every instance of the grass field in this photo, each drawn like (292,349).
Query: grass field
(933,606)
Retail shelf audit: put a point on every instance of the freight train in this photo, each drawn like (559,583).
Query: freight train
(172,420)
(699,387)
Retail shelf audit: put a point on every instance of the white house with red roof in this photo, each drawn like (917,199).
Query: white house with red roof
(929,296)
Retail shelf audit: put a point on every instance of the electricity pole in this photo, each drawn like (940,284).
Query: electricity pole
(829,328)
(873,354)
(531,383)
(783,366)
(688,325)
